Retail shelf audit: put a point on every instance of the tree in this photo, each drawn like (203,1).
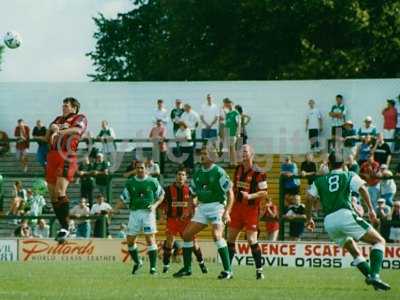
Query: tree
(249,40)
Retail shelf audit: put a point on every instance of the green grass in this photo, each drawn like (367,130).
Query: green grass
(113,281)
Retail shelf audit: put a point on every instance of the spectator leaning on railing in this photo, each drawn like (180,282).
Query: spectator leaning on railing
(389,120)
(349,138)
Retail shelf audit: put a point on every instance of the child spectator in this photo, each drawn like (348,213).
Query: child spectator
(271,220)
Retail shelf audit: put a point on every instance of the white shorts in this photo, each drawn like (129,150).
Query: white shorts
(209,213)
(142,221)
(344,224)
(395,234)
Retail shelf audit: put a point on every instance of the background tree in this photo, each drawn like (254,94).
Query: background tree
(249,40)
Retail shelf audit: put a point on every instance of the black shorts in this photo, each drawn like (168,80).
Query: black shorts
(313,133)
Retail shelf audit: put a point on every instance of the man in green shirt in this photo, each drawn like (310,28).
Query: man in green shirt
(232,129)
(342,223)
(101,173)
(142,194)
(86,180)
(213,189)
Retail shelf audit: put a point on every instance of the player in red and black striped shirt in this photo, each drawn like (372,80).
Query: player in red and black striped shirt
(179,207)
(62,163)
(250,188)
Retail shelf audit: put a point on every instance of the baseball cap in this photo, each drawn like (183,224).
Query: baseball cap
(381,200)
(368,119)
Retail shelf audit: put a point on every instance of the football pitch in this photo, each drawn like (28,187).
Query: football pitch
(113,281)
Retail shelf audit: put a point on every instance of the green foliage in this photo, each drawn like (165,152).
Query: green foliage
(249,40)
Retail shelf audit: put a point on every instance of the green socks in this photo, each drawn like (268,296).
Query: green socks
(133,251)
(362,265)
(152,253)
(376,258)
(224,254)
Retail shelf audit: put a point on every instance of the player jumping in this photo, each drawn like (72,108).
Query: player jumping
(342,223)
(63,135)
(179,208)
(213,189)
(250,188)
(142,194)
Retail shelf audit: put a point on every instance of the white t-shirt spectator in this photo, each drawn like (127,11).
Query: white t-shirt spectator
(80,211)
(209,114)
(191,119)
(184,133)
(161,115)
(388,186)
(97,208)
(43,232)
(313,117)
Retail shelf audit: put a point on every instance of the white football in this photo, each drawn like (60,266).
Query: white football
(12,39)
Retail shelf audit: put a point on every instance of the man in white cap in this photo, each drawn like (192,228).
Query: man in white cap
(368,128)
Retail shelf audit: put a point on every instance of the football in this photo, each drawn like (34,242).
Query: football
(12,39)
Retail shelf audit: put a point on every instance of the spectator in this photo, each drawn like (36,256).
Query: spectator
(86,179)
(209,119)
(19,200)
(388,186)
(161,113)
(395,223)
(314,126)
(22,134)
(184,136)
(389,120)
(397,130)
(131,169)
(23,230)
(232,128)
(176,114)
(4,143)
(100,208)
(296,216)
(364,149)
(324,166)
(121,234)
(338,115)
(382,151)
(383,215)
(352,165)
(158,134)
(39,133)
(107,137)
(35,202)
(308,168)
(271,220)
(244,120)
(82,225)
(291,186)
(152,168)
(370,172)
(191,119)
(350,139)
(42,230)
(101,173)
(368,128)
(221,126)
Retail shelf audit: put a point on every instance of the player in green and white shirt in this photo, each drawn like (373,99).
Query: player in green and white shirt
(342,223)
(142,195)
(232,128)
(213,189)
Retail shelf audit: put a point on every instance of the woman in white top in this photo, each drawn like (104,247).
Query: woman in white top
(184,135)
